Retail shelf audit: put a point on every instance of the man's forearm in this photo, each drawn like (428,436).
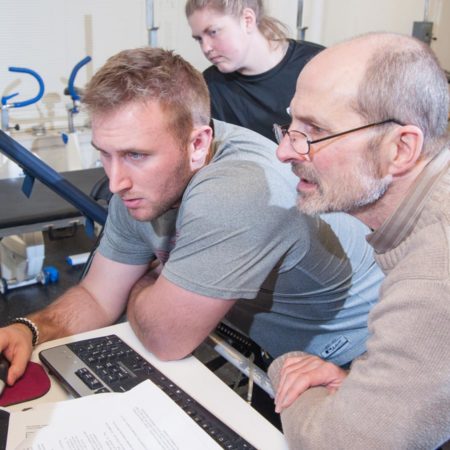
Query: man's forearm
(154,326)
(169,320)
(134,313)
(74,312)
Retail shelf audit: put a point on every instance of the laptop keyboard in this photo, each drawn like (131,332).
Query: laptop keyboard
(111,365)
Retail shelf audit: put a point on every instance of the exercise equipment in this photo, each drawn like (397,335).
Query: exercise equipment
(71,138)
(14,251)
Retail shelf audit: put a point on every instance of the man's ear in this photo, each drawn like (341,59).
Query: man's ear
(405,149)
(199,147)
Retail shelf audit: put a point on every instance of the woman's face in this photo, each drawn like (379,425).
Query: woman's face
(224,39)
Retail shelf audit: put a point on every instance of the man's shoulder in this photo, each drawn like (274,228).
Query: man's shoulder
(240,190)
(242,143)
(246,162)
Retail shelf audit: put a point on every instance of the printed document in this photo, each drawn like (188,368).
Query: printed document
(142,418)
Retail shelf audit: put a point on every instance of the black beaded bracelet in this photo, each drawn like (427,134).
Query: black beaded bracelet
(31,325)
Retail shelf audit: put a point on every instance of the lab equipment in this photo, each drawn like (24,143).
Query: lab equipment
(152,30)
(243,363)
(423,30)
(22,259)
(71,139)
(75,260)
(19,259)
(6,106)
(33,168)
(74,93)
(22,256)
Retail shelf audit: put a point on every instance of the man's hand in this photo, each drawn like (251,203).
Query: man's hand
(299,373)
(15,344)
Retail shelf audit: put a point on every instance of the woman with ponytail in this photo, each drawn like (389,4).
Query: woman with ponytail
(255,64)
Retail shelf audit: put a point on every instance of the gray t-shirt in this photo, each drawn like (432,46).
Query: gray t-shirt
(302,283)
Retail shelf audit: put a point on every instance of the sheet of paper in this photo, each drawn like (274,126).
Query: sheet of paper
(142,418)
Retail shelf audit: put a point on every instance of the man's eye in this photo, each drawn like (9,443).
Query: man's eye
(317,130)
(135,156)
(103,154)
(213,32)
(313,130)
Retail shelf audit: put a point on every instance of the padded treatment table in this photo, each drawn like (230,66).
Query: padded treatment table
(44,209)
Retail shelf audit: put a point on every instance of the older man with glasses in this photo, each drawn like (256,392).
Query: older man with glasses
(391,170)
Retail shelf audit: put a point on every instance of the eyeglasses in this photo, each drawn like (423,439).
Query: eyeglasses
(301,143)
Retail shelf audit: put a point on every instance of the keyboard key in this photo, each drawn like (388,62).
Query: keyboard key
(88,379)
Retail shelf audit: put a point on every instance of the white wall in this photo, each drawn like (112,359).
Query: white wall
(331,21)
(440,16)
(174,31)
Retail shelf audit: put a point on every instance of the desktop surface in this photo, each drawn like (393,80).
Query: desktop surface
(195,379)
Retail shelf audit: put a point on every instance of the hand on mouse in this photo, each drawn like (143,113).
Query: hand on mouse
(15,345)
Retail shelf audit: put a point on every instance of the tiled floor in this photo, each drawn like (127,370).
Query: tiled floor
(22,301)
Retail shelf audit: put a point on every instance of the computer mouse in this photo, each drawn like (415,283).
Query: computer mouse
(4,366)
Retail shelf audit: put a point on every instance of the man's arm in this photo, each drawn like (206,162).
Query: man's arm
(97,301)
(172,321)
(396,396)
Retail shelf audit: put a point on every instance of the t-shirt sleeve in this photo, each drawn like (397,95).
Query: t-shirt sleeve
(233,230)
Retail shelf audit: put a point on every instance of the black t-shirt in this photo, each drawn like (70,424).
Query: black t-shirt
(259,101)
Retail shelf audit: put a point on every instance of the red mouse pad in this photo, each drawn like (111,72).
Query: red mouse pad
(34,383)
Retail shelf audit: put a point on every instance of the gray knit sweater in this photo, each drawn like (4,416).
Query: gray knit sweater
(397,396)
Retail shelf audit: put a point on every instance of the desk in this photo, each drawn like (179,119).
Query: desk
(192,376)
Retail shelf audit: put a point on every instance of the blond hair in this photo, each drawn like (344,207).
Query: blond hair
(152,74)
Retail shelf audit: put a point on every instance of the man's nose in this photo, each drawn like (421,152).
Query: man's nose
(285,151)
(119,180)
(287,154)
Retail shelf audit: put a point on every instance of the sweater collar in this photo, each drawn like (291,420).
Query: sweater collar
(399,225)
